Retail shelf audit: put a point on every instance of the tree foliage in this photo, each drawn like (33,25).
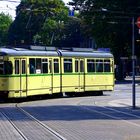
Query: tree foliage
(72,33)
(109,22)
(5,22)
(38,22)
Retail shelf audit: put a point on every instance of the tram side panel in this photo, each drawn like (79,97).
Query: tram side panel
(33,76)
(73,78)
(91,74)
(69,79)
(98,82)
(99,75)
(13,79)
(81,74)
(39,76)
(45,79)
(4,88)
(56,74)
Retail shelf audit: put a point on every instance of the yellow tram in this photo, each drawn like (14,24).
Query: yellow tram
(41,70)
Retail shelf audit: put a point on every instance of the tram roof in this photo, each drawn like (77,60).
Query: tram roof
(26,52)
(88,54)
(64,53)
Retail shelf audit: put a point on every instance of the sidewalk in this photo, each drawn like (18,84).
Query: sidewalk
(125,103)
(128,80)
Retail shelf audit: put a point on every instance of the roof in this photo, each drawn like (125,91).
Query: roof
(63,53)
(26,52)
(95,54)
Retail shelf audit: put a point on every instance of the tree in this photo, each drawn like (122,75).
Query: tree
(72,33)
(5,22)
(109,22)
(38,21)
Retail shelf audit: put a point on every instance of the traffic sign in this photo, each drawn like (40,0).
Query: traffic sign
(138,22)
(71,13)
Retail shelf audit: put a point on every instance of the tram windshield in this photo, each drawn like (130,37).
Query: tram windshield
(6,67)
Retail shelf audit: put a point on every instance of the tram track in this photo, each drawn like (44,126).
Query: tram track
(50,130)
(15,127)
(27,126)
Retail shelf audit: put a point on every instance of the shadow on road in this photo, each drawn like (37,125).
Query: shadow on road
(72,113)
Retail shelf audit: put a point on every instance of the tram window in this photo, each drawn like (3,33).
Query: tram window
(38,65)
(16,66)
(76,65)
(81,66)
(107,66)
(1,67)
(23,67)
(50,66)
(90,65)
(99,65)
(56,66)
(67,65)
(45,65)
(8,67)
(32,65)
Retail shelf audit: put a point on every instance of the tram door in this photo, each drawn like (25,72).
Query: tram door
(81,75)
(50,77)
(56,75)
(79,69)
(21,80)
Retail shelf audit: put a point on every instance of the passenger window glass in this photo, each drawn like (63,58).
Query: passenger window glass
(50,66)
(67,65)
(81,66)
(8,67)
(1,67)
(23,67)
(90,65)
(32,65)
(56,66)
(45,65)
(99,65)
(38,65)
(107,66)
(76,65)
(16,66)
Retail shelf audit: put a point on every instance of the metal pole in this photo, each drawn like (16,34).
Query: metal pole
(133,65)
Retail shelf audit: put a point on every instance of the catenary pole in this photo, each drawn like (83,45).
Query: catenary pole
(133,65)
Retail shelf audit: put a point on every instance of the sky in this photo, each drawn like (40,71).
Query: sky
(10,7)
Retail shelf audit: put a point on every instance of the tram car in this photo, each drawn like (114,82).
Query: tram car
(40,70)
